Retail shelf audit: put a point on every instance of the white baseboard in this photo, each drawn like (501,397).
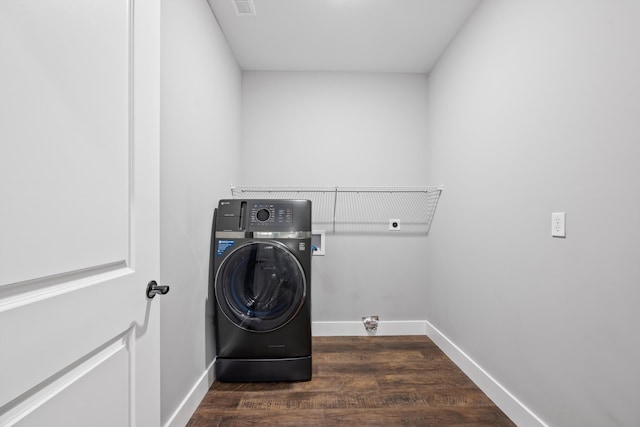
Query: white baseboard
(508,403)
(398,327)
(189,404)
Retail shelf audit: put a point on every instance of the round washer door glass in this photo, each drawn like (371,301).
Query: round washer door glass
(260,286)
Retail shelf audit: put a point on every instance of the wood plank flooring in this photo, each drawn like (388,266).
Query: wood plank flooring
(358,381)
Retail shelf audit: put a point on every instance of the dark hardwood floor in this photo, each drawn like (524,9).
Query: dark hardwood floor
(359,381)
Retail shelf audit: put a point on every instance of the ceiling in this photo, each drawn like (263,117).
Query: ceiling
(405,36)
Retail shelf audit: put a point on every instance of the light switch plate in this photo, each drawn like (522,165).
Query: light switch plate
(558,225)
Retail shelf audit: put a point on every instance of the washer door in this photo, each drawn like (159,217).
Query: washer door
(260,286)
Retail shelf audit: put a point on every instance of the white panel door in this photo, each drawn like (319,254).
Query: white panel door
(79,222)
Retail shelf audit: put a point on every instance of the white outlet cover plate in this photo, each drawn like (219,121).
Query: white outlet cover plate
(394,224)
(558,224)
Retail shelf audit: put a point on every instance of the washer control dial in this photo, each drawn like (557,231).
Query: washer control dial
(263,215)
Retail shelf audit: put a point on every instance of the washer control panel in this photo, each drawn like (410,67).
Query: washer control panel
(271,214)
(263,215)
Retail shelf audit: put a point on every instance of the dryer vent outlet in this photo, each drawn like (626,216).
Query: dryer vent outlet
(371,324)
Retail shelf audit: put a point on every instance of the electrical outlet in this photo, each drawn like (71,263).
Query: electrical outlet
(394,224)
(558,226)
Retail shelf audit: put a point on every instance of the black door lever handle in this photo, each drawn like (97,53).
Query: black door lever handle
(154,289)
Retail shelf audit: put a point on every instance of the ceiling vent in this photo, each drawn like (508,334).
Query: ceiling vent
(244,7)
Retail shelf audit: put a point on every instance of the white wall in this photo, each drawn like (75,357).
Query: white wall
(199,159)
(305,128)
(535,109)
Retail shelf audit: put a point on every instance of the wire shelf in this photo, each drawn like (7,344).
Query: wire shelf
(358,210)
